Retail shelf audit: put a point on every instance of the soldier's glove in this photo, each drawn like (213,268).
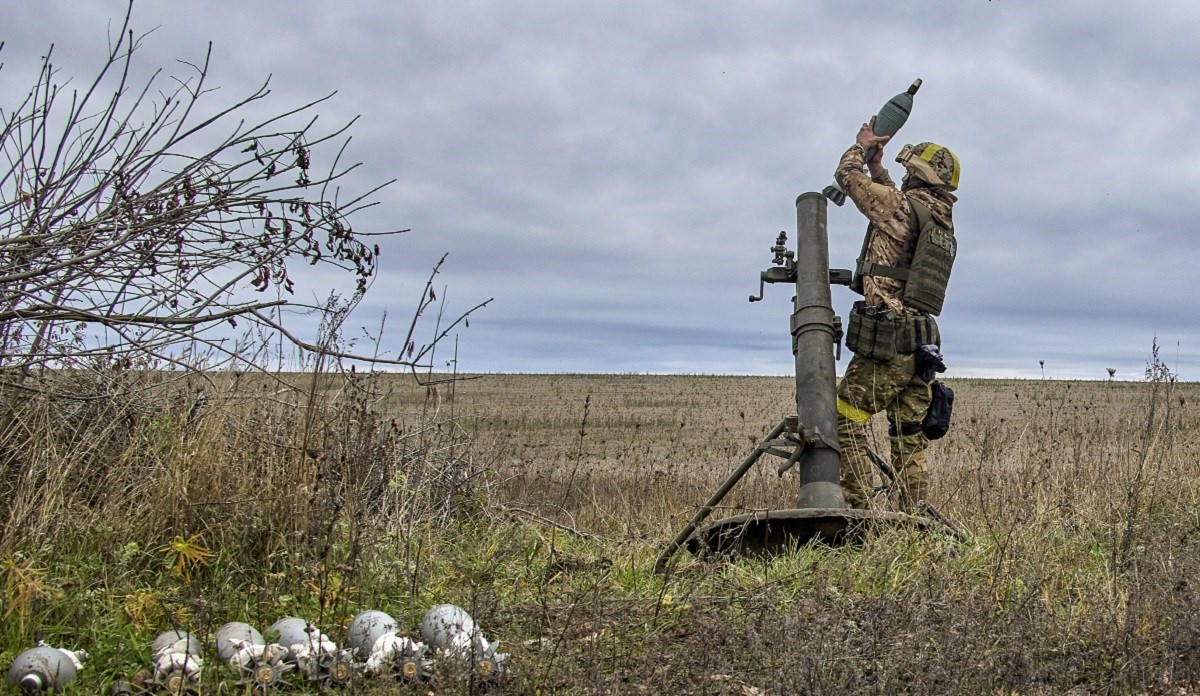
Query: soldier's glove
(929,361)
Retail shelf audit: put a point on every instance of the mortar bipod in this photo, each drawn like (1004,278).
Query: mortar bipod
(772,529)
(785,441)
(767,445)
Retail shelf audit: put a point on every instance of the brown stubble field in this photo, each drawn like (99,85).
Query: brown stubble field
(632,454)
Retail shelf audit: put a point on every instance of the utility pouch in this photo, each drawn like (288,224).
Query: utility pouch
(937,419)
(871,332)
(912,332)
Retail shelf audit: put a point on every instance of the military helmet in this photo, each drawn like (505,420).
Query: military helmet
(932,163)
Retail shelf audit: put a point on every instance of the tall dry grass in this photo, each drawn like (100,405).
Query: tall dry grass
(137,501)
(248,461)
(540,502)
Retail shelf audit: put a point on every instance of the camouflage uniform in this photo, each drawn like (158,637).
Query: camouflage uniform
(870,386)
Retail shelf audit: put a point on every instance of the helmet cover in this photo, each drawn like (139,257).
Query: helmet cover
(932,163)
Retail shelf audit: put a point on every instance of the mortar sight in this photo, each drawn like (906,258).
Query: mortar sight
(784,270)
(782,253)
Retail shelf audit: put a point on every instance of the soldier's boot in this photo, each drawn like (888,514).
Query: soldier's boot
(912,479)
(857,472)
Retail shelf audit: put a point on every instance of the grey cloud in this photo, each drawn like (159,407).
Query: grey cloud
(613,173)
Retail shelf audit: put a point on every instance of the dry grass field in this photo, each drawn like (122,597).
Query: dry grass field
(540,502)
(632,454)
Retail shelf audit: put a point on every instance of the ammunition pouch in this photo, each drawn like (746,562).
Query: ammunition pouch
(915,331)
(871,332)
(877,333)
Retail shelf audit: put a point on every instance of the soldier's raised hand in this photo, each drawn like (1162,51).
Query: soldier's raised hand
(867,138)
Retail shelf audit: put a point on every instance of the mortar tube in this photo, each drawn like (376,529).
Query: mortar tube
(813,342)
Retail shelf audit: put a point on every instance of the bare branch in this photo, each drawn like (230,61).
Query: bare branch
(141,220)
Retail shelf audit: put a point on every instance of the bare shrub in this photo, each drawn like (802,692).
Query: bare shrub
(149,245)
(145,226)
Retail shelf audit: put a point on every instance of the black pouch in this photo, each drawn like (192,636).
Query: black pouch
(937,418)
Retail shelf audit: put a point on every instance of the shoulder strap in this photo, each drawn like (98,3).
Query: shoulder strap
(918,216)
(921,215)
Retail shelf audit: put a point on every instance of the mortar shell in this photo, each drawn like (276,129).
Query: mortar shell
(173,637)
(41,669)
(235,630)
(366,628)
(291,631)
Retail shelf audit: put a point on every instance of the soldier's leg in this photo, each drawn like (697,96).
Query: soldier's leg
(908,444)
(857,475)
(867,387)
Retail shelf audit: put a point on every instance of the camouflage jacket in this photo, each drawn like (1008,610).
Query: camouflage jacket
(887,211)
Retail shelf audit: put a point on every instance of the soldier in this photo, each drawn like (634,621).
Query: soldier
(903,285)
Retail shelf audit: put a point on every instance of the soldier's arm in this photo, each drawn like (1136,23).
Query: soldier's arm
(876,198)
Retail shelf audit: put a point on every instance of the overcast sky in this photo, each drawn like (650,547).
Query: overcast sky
(613,173)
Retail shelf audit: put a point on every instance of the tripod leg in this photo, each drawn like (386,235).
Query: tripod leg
(705,510)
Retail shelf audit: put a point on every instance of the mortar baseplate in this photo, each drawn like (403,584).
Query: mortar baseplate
(770,532)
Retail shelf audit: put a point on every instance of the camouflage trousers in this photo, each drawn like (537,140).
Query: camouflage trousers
(868,387)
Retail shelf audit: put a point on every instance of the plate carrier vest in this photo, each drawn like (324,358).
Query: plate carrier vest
(925,267)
